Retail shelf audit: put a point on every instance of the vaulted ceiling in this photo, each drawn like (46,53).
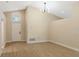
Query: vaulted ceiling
(62,9)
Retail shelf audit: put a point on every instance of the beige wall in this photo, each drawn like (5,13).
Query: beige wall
(24,26)
(2,36)
(65,32)
(37,25)
(1,43)
(8,28)
(2,39)
(0,33)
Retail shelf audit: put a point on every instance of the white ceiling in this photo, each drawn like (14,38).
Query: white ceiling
(59,8)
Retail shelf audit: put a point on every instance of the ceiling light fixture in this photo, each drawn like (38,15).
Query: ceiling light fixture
(6,1)
(45,7)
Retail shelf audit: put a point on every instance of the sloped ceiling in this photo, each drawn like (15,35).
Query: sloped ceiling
(59,8)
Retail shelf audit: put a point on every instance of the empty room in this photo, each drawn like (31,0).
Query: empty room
(39,28)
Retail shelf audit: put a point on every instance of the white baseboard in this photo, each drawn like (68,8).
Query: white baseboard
(67,46)
(14,41)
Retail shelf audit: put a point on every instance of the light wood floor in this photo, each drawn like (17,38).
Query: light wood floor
(20,49)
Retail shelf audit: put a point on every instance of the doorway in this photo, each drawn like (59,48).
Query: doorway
(15,26)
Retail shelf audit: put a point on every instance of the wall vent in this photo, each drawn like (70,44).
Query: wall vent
(32,39)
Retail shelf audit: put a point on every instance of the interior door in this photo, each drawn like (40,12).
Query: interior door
(16,26)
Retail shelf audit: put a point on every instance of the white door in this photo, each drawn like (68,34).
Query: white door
(16,26)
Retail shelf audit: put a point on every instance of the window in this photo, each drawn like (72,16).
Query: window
(15,19)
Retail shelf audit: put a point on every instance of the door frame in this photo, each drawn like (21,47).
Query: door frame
(8,25)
